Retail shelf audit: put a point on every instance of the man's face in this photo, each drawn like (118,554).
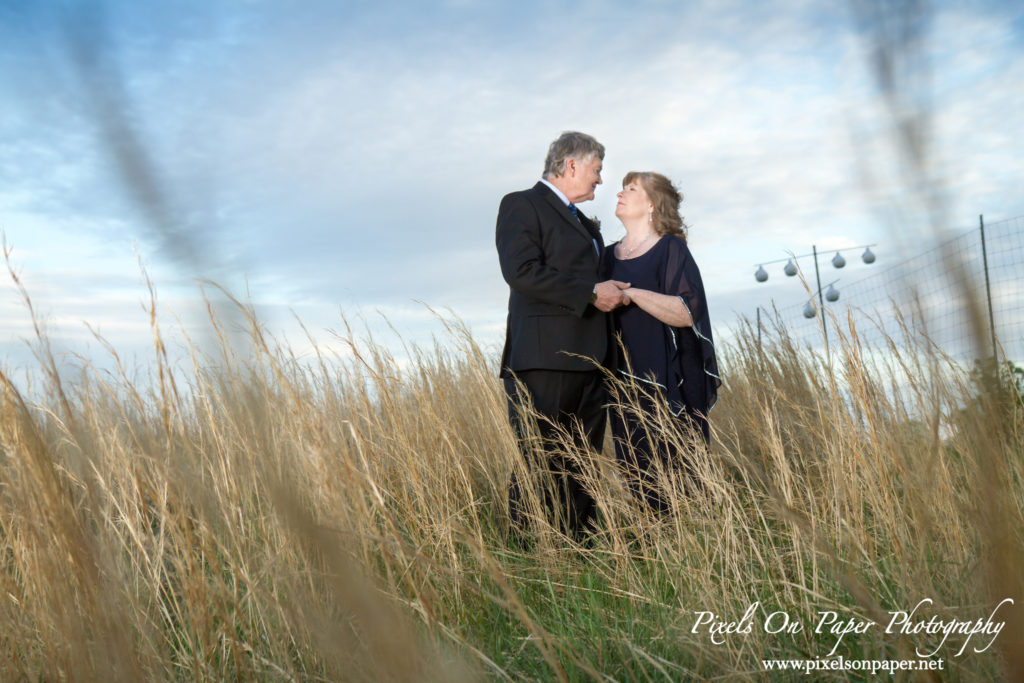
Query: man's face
(583,177)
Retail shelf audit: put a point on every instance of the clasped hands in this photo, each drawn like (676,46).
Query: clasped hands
(611,294)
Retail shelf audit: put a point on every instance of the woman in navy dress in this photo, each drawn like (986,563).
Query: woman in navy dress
(667,348)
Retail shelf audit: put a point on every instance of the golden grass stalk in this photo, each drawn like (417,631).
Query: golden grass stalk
(264,517)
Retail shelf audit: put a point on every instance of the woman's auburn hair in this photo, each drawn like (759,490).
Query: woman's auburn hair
(665,198)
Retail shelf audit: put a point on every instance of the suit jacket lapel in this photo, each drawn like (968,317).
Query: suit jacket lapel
(595,231)
(566,214)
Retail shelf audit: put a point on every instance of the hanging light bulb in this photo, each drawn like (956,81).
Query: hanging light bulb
(809,311)
(761,275)
(832,294)
(868,256)
(790,268)
(838,261)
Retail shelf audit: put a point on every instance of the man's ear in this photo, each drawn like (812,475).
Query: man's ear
(570,167)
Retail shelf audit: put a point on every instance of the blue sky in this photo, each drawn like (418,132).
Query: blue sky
(328,157)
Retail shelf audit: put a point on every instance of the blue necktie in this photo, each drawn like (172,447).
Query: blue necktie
(576,215)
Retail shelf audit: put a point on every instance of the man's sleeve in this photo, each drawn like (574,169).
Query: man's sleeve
(523,264)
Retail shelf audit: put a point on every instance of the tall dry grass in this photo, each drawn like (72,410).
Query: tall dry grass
(258,516)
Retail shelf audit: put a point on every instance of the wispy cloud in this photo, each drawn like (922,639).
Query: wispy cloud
(350,155)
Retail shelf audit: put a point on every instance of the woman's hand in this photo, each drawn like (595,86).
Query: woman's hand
(608,295)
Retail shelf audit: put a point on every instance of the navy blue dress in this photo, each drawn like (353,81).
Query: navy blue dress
(673,366)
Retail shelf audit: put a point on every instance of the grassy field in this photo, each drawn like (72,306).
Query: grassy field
(256,516)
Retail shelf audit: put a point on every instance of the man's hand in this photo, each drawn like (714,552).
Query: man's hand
(609,295)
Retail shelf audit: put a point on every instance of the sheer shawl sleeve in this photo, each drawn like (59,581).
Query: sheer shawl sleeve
(682,279)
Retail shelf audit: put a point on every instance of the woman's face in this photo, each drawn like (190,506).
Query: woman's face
(633,202)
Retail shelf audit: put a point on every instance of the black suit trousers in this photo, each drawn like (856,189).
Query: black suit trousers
(574,401)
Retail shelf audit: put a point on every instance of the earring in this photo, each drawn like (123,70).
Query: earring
(650,217)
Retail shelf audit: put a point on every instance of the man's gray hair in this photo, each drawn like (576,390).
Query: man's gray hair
(570,145)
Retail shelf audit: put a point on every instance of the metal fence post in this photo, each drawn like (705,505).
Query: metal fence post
(759,329)
(988,287)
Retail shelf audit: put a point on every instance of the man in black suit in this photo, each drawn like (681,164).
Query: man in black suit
(557,328)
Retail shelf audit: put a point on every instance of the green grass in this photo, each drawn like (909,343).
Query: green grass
(254,517)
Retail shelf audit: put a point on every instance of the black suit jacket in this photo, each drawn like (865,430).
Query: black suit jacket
(551,266)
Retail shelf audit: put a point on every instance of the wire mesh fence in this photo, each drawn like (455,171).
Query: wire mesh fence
(928,292)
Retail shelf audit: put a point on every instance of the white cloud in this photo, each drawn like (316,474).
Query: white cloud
(335,156)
